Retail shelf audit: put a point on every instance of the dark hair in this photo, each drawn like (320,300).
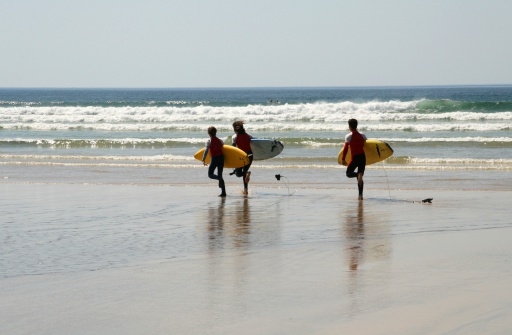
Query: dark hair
(212,131)
(238,127)
(352,123)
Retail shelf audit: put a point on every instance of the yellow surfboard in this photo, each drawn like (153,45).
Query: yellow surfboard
(374,150)
(233,157)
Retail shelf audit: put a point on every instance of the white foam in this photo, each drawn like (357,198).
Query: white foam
(478,139)
(154,158)
(314,112)
(255,127)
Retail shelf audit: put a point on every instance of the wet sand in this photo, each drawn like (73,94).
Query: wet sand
(158,258)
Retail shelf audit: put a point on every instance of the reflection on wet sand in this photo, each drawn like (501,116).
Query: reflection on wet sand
(354,232)
(367,241)
(230,225)
(241,223)
(367,236)
(216,224)
(233,227)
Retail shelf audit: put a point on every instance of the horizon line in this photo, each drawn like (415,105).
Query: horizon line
(248,87)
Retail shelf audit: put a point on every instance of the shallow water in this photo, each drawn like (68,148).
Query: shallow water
(59,227)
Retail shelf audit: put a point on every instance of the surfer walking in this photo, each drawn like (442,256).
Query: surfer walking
(355,141)
(214,147)
(242,140)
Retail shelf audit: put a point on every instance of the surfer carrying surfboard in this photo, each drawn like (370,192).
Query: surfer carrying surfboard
(355,140)
(242,140)
(214,147)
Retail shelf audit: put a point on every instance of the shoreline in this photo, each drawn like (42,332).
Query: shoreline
(378,179)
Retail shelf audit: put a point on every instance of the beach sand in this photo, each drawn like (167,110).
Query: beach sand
(157,255)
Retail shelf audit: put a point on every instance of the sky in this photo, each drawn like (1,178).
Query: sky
(257,43)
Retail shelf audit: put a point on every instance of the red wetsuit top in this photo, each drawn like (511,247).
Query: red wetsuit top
(243,142)
(213,147)
(356,141)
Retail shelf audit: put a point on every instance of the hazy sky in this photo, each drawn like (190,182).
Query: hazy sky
(242,43)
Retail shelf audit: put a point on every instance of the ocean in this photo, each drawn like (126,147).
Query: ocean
(429,128)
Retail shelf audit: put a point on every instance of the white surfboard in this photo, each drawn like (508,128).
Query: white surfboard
(264,148)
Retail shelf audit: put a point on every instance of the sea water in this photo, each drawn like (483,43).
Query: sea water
(451,128)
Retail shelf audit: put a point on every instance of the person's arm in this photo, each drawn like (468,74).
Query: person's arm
(233,140)
(345,148)
(206,151)
(345,151)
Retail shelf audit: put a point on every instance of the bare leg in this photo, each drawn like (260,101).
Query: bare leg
(246,179)
(360,185)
